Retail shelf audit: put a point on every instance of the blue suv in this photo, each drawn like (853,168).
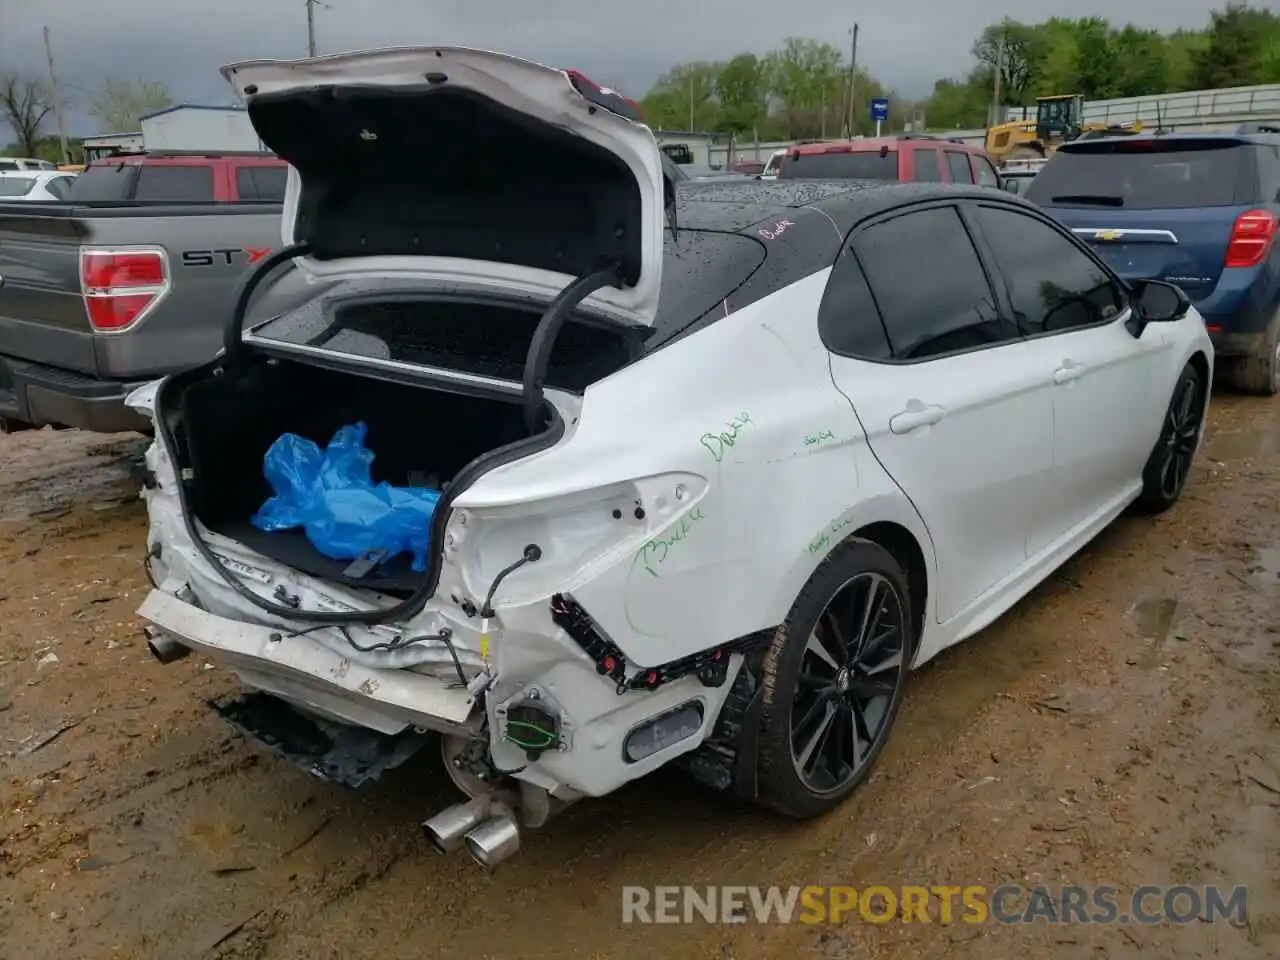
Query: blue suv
(1200,210)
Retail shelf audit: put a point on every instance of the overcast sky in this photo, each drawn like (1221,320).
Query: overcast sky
(904,43)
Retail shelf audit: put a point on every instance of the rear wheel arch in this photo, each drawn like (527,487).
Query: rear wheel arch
(906,549)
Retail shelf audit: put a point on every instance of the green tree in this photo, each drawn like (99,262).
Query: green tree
(805,78)
(1240,40)
(683,99)
(742,90)
(1010,46)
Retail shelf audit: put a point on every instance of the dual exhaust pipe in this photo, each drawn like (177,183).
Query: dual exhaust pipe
(487,829)
(163,647)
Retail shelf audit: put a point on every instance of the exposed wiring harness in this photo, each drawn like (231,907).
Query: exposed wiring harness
(548,740)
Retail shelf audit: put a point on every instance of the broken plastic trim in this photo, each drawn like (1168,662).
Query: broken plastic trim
(544,337)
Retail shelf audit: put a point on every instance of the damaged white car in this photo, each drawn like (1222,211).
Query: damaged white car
(716,465)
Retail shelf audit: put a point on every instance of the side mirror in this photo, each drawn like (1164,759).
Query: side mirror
(1160,302)
(1009,186)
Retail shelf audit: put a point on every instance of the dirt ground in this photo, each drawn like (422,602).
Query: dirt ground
(1120,726)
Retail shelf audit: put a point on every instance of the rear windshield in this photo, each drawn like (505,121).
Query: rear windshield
(1145,174)
(863,165)
(104,182)
(16,186)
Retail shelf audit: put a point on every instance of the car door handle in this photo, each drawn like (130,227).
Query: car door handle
(1067,372)
(915,416)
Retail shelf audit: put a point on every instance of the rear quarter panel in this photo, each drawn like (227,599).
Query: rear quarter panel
(747,404)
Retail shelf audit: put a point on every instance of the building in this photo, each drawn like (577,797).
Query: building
(697,147)
(111,145)
(189,127)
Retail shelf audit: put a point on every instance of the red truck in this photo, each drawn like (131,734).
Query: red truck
(183,178)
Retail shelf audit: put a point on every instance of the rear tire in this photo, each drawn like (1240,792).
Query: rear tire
(1260,373)
(833,680)
(1167,468)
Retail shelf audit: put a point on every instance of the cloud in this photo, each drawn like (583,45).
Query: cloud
(906,44)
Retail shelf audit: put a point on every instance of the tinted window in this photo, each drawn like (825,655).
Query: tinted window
(1144,174)
(164,182)
(928,167)
(987,176)
(848,320)
(929,285)
(1053,284)
(864,165)
(59,187)
(261,183)
(109,181)
(8,164)
(1268,161)
(958,164)
(16,186)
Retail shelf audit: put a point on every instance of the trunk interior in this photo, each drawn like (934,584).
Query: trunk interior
(227,423)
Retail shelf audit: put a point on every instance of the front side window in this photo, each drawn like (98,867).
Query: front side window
(987,176)
(1053,284)
(958,164)
(928,166)
(930,286)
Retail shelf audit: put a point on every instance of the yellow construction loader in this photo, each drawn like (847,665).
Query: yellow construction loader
(1058,121)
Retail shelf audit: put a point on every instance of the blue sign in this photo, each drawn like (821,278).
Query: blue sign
(879,108)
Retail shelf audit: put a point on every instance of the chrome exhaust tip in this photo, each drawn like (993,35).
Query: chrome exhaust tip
(493,841)
(163,647)
(447,828)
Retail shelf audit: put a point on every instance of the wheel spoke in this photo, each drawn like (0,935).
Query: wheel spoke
(871,612)
(818,648)
(817,706)
(814,741)
(891,662)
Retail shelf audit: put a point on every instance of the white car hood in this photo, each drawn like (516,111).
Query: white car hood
(404,164)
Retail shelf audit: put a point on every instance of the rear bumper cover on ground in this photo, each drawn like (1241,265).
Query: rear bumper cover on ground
(37,394)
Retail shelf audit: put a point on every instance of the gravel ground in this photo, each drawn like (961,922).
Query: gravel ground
(1120,726)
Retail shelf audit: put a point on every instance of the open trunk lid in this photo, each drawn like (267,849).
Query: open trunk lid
(1158,208)
(452,164)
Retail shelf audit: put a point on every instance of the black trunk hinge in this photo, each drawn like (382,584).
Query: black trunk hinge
(544,338)
(232,343)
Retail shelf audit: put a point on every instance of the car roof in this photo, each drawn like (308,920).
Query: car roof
(827,207)
(869,144)
(1083,146)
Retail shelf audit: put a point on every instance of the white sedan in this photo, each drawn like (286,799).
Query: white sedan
(715,468)
(35,185)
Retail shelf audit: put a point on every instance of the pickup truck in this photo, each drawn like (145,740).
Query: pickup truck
(130,279)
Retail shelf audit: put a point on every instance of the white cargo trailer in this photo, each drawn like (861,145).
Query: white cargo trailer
(189,127)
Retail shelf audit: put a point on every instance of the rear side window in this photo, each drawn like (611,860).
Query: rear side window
(987,176)
(160,183)
(958,164)
(862,165)
(955,309)
(848,321)
(261,183)
(928,167)
(8,164)
(104,182)
(1147,174)
(60,187)
(16,186)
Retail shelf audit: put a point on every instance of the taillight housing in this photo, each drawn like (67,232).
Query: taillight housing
(611,100)
(121,286)
(1252,236)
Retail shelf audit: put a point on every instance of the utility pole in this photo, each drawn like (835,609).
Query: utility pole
(311,27)
(995,98)
(57,99)
(853,72)
(691,127)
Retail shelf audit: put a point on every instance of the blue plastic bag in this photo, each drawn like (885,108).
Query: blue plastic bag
(330,493)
